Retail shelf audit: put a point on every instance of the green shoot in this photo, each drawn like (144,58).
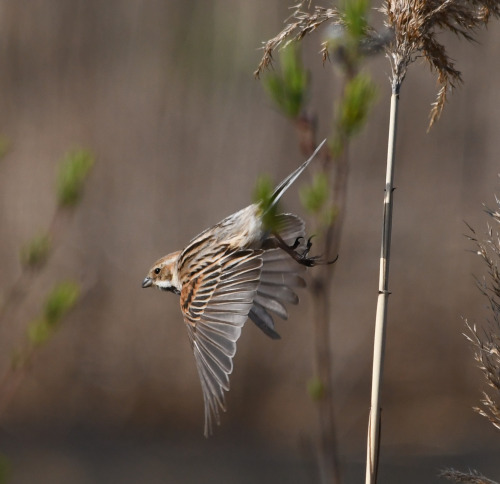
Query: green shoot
(262,195)
(36,251)
(59,301)
(72,175)
(288,88)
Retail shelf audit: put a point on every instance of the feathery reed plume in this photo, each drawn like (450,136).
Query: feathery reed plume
(413,28)
(304,20)
(486,342)
(416,24)
(471,477)
(299,24)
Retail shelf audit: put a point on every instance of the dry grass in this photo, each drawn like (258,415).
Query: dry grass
(471,477)
(486,342)
(300,23)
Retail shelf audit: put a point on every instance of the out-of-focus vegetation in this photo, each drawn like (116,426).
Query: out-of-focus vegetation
(353,110)
(288,87)
(263,195)
(58,302)
(35,254)
(73,172)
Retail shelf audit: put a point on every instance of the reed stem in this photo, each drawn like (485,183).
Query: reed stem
(374,423)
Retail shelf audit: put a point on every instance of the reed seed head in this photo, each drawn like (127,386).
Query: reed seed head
(416,25)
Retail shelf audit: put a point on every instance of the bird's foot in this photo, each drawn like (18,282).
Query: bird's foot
(302,256)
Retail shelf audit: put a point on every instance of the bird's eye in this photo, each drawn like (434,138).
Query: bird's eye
(157,270)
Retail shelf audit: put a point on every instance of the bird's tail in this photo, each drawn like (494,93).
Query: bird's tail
(287,182)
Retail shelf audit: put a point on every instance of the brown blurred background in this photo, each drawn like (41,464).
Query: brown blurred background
(162,93)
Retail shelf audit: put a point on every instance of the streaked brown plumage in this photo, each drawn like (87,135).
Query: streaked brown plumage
(233,271)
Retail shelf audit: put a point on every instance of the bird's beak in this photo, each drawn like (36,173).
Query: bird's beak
(147,282)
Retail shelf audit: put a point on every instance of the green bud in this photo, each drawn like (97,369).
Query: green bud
(314,196)
(358,98)
(39,331)
(36,251)
(262,195)
(288,87)
(73,172)
(316,389)
(59,301)
(354,16)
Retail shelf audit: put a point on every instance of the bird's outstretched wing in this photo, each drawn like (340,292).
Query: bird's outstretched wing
(280,275)
(215,301)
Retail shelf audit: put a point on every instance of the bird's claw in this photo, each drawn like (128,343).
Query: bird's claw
(302,257)
(296,243)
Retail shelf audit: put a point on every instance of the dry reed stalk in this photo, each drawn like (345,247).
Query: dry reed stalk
(415,25)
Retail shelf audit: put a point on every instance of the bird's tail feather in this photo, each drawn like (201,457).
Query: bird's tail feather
(287,182)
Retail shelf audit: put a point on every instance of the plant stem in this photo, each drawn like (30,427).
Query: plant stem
(322,285)
(373,443)
(327,442)
(16,293)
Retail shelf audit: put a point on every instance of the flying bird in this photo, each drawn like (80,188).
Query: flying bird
(238,269)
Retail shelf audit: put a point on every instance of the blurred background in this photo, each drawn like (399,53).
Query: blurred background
(162,94)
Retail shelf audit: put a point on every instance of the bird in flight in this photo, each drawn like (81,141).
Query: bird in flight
(240,268)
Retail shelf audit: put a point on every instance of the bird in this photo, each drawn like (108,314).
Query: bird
(240,268)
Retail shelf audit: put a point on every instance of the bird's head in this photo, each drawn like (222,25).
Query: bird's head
(163,274)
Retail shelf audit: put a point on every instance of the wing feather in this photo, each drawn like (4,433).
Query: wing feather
(263,320)
(215,303)
(273,305)
(218,297)
(279,275)
(289,227)
(280,293)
